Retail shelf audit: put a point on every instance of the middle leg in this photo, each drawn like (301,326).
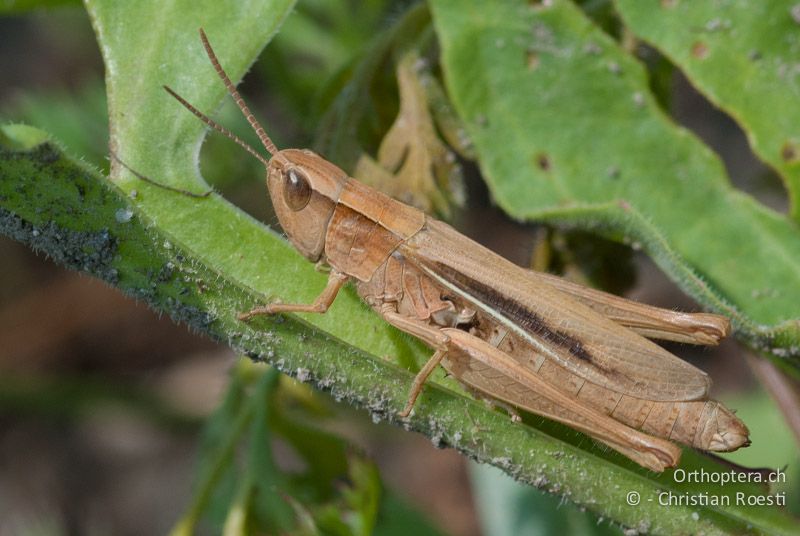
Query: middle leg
(431,335)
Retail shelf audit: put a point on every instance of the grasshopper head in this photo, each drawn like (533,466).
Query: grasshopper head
(304,189)
(303,186)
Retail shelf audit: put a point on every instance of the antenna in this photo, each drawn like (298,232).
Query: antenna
(216,126)
(262,135)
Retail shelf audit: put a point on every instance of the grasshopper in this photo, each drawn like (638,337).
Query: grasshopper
(512,336)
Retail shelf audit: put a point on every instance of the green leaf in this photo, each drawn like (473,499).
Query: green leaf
(744,60)
(567,131)
(325,454)
(153,134)
(262,476)
(361,113)
(315,41)
(396,518)
(507,508)
(19,6)
(77,118)
(216,486)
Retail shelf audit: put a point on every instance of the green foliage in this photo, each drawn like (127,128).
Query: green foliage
(160,139)
(20,6)
(41,192)
(78,118)
(363,104)
(744,59)
(244,490)
(315,41)
(86,223)
(581,141)
(508,508)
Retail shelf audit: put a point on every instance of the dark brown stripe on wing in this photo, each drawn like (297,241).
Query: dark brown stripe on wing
(528,320)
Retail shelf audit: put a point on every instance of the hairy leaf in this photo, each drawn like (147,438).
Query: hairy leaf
(744,58)
(567,131)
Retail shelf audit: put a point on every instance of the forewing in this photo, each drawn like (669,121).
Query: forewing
(561,328)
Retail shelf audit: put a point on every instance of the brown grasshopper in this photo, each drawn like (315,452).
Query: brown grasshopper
(522,338)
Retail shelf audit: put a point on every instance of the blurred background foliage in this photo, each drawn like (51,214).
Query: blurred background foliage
(102,402)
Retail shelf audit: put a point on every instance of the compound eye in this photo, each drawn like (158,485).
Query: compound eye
(296,190)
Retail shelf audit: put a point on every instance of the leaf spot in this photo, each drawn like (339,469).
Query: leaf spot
(700,50)
(543,162)
(790,152)
(532,60)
